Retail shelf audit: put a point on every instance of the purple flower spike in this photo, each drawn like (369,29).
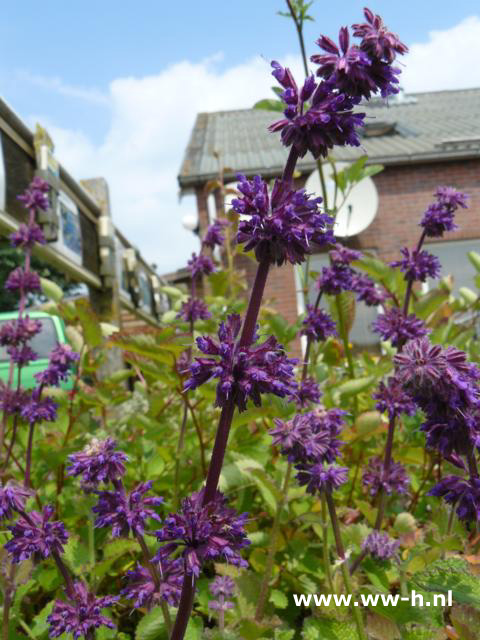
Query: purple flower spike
(393,399)
(308,392)
(461,492)
(244,372)
(81,616)
(19,331)
(13,498)
(318,325)
(395,480)
(38,409)
(343,255)
(395,326)
(283,227)
(215,234)
(194,309)
(21,280)
(22,355)
(319,477)
(204,532)
(36,196)
(200,265)
(98,462)
(380,545)
(222,586)
(36,534)
(125,513)
(418,265)
(142,590)
(26,236)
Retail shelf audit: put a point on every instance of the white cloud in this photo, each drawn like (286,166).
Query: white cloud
(87,94)
(448,60)
(151,121)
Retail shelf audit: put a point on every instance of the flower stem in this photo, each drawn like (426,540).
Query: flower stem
(326,557)
(156,579)
(264,588)
(28,459)
(341,554)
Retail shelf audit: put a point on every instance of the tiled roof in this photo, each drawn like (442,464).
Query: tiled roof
(434,126)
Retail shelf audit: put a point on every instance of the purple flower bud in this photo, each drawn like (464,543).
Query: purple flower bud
(393,399)
(22,355)
(375,477)
(198,265)
(204,532)
(282,227)
(377,41)
(395,326)
(26,236)
(194,309)
(61,359)
(461,492)
(19,331)
(319,477)
(418,265)
(380,545)
(215,235)
(367,291)
(98,462)
(308,392)
(318,325)
(142,590)
(80,616)
(13,498)
(36,195)
(343,255)
(38,409)
(34,533)
(335,279)
(439,216)
(21,280)
(126,512)
(244,372)
(222,586)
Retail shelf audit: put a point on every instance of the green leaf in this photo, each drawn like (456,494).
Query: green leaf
(328,629)
(270,492)
(451,574)
(353,387)
(468,295)
(269,105)
(279,599)
(51,290)
(474,258)
(152,626)
(40,624)
(92,331)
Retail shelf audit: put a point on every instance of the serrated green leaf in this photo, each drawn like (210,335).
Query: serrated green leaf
(152,626)
(328,629)
(450,574)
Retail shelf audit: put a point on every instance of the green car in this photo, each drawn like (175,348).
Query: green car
(52,333)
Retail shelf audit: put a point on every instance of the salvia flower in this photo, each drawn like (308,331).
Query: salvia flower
(22,355)
(418,265)
(393,399)
(204,532)
(377,40)
(380,545)
(439,216)
(343,255)
(397,327)
(126,512)
(194,309)
(335,279)
(308,392)
(464,493)
(13,498)
(222,588)
(24,280)
(327,121)
(215,234)
(61,359)
(394,480)
(36,195)
(367,291)
(317,324)
(19,331)
(98,462)
(34,533)
(283,226)
(80,616)
(26,236)
(142,590)
(12,400)
(320,477)
(200,265)
(352,71)
(39,409)
(244,372)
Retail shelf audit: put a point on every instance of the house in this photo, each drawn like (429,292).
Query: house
(423,140)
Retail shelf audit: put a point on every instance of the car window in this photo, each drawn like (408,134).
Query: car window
(42,343)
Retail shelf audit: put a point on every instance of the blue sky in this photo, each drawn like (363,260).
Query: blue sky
(91,70)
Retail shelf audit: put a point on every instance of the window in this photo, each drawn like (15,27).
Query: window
(361,333)
(145,291)
(455,262)
(70,235)
(42,343)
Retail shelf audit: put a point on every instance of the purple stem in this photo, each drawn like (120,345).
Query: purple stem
(309,343)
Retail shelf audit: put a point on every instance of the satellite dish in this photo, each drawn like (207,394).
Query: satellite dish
(358,210)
